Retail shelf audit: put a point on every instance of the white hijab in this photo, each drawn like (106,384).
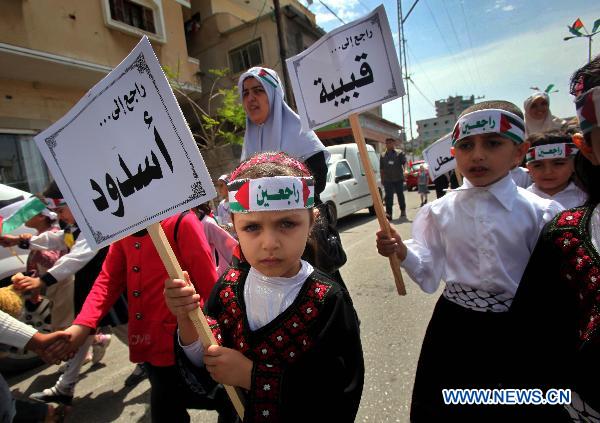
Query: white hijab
(534,126)
(282,130)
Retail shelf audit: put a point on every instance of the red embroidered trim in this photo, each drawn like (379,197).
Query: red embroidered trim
(579,270)
(283,346)
(570,218)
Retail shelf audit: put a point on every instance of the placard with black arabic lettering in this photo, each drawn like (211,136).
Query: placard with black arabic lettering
(349,70)
(123,156)
(438,157)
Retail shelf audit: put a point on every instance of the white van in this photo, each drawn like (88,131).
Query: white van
(347,190)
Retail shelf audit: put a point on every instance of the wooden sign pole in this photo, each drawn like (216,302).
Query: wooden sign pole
(197,316)
(377,203)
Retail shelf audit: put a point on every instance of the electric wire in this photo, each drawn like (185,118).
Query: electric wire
(462,51)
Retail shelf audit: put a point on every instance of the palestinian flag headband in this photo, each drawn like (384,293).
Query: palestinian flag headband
(551,151)
(588,109)
(271,194)
(489,121)
(54,203)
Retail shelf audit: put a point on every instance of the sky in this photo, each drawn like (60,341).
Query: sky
(496,49)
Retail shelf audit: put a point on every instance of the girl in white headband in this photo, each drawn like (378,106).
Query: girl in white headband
(288,334)
(550,161)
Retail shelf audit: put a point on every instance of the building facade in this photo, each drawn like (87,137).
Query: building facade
(447,112)
(52,53)
(238,35)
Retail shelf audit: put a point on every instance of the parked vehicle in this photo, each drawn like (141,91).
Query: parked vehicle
(35,314)
(411,174)
(347,190)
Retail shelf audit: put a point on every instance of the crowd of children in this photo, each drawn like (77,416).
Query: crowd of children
(520,307)
(521,303)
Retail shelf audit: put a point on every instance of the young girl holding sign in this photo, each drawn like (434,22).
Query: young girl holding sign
(288,334)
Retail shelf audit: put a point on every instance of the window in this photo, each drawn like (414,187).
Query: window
(343,169)
(136,17)
(424,125)
(246,56)
(434,123)
(21,164)
(133,14)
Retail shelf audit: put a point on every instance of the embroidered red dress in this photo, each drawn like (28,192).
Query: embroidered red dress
(308,362)
(557,310)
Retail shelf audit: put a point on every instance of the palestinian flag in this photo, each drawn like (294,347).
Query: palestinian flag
(270,194)
(576,28)
(18,213)
(512,128)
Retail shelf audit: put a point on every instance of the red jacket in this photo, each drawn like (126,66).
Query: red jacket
(133,264)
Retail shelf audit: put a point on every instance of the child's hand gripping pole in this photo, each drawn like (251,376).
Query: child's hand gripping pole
(377,203)
(206,337)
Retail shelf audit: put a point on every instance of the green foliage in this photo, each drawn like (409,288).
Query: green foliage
(226,124)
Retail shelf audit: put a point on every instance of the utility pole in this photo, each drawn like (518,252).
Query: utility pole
(400,49)
(282,56)
(402,43)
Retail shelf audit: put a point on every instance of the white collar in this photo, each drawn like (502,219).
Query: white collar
(503,190)
(570,187)
(305,270)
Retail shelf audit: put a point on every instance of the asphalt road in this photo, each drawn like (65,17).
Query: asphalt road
(392,329)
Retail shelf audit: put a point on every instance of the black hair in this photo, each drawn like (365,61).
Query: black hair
(52,191)
(494,104)
(586,78)
(549,137)
(588,176)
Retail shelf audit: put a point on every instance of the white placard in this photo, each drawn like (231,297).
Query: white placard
(349,70)
(438,157)
(123,156)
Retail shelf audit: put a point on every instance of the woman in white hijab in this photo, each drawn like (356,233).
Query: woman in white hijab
(272,126)
(538,117)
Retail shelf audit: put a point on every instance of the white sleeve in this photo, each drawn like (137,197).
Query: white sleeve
(425,259)
(194,352)
(73,261)
(13,332)
(552,210)
(49,240)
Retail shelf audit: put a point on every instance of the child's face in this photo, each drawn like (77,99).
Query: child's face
(273,241)
(552,175)
(487,158)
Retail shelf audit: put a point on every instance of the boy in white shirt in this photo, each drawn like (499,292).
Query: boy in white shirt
(550,161)
(478,239)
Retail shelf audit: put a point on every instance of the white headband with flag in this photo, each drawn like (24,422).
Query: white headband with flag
(490,121)
(271,194)
(550,151)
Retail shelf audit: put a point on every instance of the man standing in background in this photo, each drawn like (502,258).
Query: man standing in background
(392,177)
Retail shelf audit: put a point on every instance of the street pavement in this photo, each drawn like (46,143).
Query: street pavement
(392,329)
